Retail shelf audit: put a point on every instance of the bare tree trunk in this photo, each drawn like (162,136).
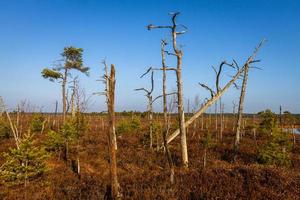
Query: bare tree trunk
(166,121)
(150,111)
(233,112)
(107,89)
(216,118)
(221,120)
(182,127)
(74,91)
(64,97)
(112,135)
(240,112)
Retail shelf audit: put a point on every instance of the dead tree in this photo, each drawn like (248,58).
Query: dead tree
(216,95)
(105,80)
(149,108)
(166,121)
(150,103)
(241,104)
(110,82)
(178,54)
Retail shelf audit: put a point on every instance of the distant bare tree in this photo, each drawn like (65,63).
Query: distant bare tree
(149,107)
(150,103)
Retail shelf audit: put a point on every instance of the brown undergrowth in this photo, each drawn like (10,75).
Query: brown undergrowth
(143,173)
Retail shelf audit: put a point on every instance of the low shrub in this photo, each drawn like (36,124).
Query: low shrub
(128,126)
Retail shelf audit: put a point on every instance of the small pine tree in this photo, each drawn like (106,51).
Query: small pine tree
(276,150)
(23,163)
(207,143)
(268,123)
(54,141)
(37,123)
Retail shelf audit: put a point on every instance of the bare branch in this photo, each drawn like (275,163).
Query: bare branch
(169,53)
(151,26)
(148,70)
(212,93)
(162,96)
(139,89)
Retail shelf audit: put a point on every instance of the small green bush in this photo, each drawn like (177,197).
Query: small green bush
(207,140)
(276,151)
(268,123)
(23,163)
(128,126)
(54,141)
(80,124)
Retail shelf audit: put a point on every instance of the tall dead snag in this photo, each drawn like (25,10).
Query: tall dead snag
(241,103)
(178,54)
(105,80)
(216,95)
(112,133)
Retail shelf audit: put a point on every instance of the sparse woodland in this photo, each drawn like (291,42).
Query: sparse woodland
(173,154)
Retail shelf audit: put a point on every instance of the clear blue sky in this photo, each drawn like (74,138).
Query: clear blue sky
(33,33)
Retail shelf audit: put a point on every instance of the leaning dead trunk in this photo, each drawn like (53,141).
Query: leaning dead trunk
(217,95)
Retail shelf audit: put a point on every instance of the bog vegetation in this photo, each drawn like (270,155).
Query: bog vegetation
(176,154)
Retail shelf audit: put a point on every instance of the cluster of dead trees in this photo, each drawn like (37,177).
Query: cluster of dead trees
(241,72)
(72,60)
